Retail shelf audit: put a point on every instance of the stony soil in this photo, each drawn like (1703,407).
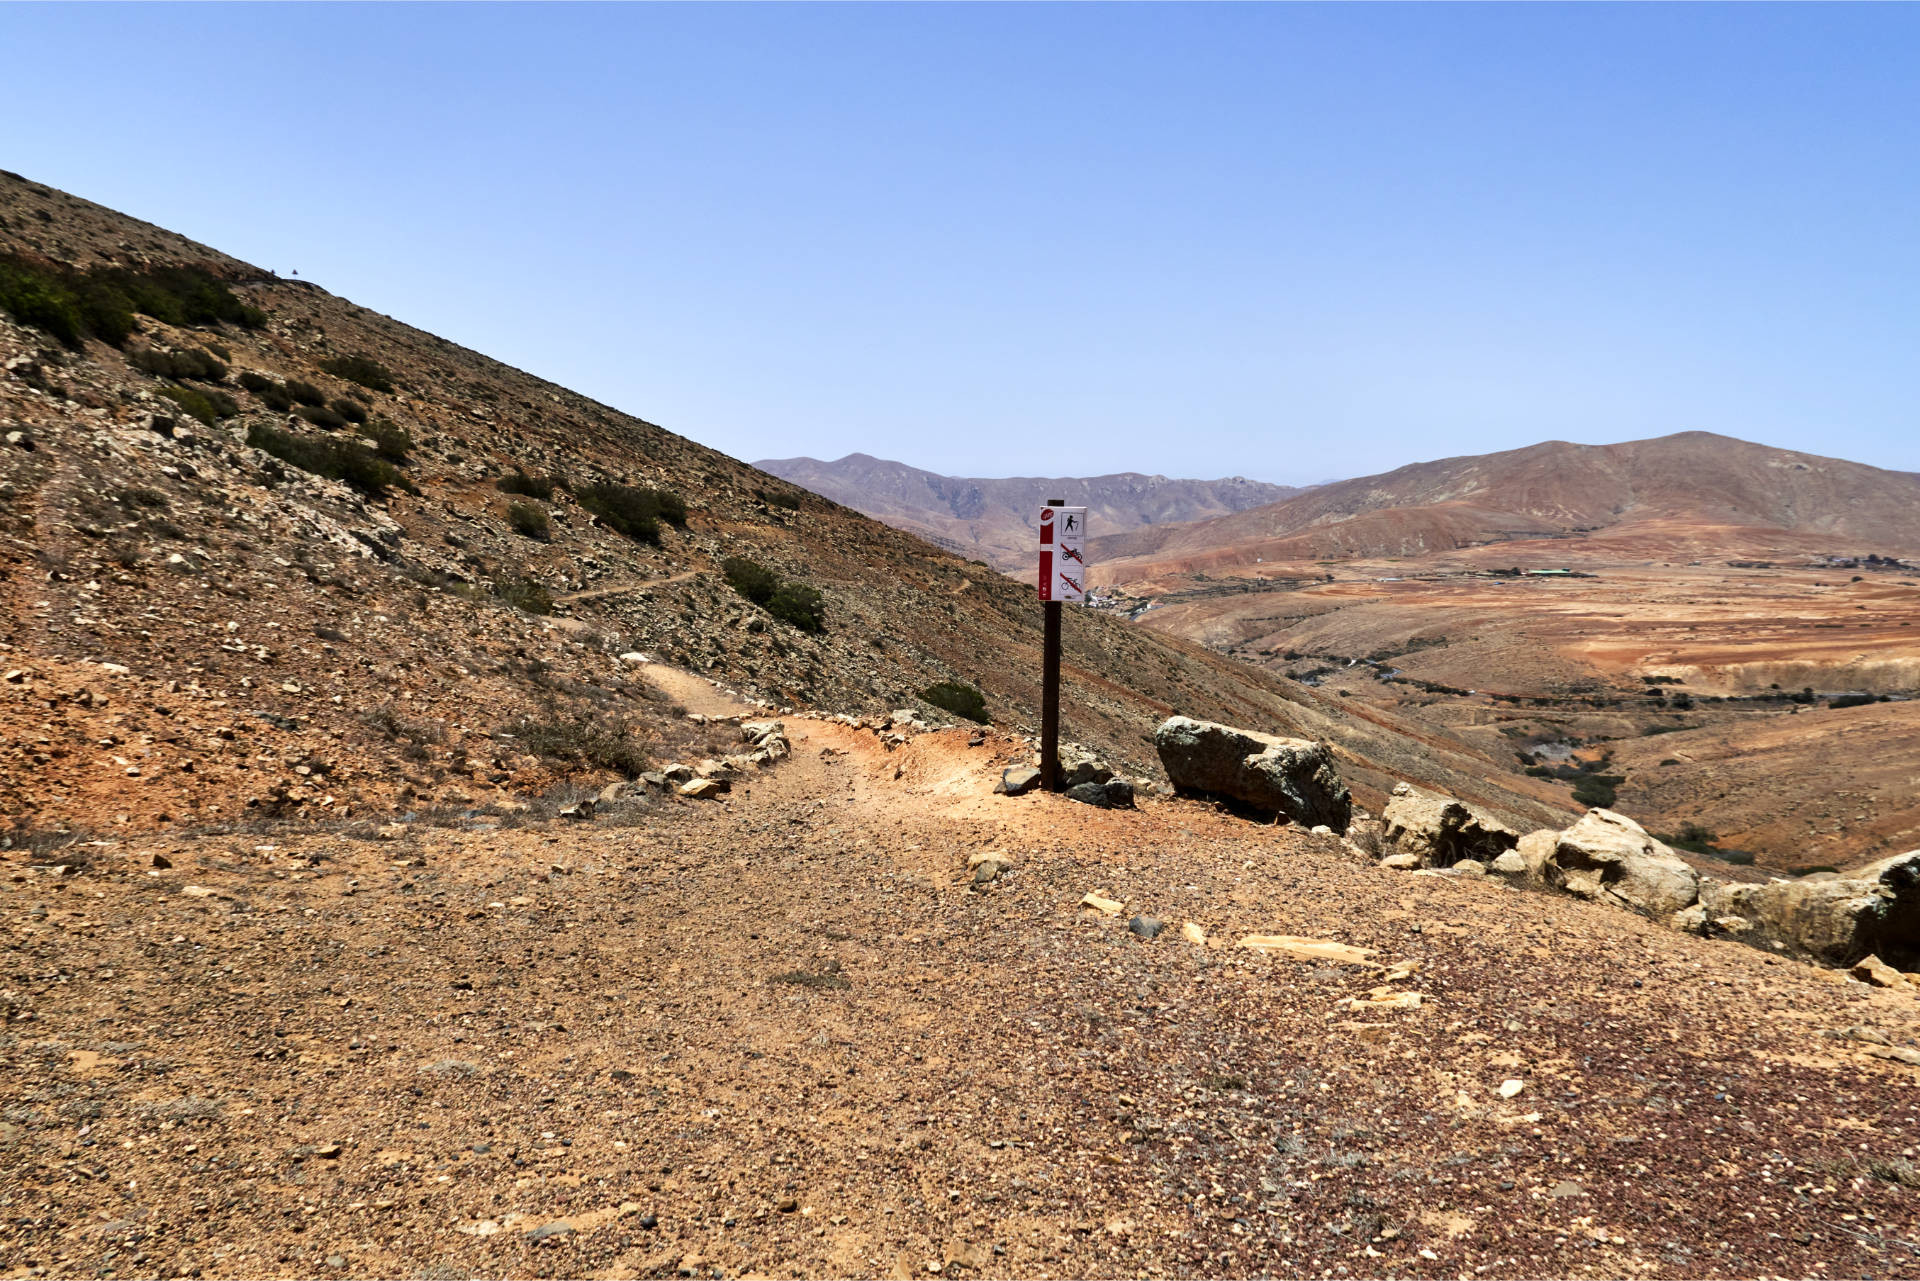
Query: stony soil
(782,1034)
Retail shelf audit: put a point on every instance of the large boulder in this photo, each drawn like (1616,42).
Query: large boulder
(1872,911)
(1610,858)
(1442,830)
(1258,772)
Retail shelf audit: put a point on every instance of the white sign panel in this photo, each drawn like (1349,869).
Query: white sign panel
(1063,566)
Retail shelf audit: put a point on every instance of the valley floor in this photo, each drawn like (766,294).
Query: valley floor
(782,1034)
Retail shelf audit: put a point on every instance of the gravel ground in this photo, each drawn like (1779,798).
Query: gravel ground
(783,1034)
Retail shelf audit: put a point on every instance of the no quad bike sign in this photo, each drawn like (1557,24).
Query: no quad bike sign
(1063,566)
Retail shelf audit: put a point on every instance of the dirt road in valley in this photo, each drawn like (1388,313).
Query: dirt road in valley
(782,1034)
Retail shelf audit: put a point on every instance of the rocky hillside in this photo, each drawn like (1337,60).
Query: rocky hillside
(1673,491)
(992,520)
(258,561)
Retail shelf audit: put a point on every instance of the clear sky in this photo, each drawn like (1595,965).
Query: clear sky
(1287,242)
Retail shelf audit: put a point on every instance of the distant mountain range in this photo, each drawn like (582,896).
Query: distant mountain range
(993,520)
(1693,493)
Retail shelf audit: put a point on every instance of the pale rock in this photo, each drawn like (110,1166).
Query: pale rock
(1401,862)
(1876,972)
(1833,920)
(1609,858)
(1193,934)
(1443,830)
(701,789)
(1261,772)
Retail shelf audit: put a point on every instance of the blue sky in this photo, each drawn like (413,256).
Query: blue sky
(1288,242)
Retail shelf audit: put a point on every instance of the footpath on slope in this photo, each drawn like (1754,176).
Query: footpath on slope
(784,1034)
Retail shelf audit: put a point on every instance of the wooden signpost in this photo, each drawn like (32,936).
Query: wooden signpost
(1063,577)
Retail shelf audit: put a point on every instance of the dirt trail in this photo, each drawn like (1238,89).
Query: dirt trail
(779,1034)
(601,593)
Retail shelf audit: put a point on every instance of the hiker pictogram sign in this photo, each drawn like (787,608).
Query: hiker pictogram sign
(1063,563)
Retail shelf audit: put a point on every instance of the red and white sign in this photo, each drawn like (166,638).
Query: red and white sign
(1063,566)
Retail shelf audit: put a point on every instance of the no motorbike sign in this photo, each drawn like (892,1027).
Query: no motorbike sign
(1063,566)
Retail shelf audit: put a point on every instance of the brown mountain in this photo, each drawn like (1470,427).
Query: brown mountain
(1695,491)
(992,520)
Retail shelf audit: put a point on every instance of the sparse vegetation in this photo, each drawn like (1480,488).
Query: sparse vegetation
(750,578)
(347,461)
(525,595)
(272,394)
(390,440)
(100,303)
(586,739)
(305,392)
(1598,791)
(351,410)
(960,699)
(202,366)
(633,511)
(830,979)
(530,520)
(521,483)
(207,406)
(800,605)
(322,417)
(365,370)
(790,602)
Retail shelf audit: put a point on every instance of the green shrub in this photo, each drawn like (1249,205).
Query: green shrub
(525,595)
(207,406)
(960,699)
(255,383)
(306,393)
(390,440)
(529,519)
(347,461)
(365,370)
(800,605)
(519,482)
(1597,791)
(778,498)
(752,580)
(351,410)
(634,511)
(322,417)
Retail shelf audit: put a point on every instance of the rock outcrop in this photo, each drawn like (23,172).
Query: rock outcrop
(1873,911)
(1264,774)
(1442,830)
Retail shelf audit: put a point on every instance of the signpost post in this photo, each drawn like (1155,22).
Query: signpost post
(1063,577)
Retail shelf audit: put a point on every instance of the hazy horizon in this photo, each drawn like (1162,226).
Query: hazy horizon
(1281,242)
